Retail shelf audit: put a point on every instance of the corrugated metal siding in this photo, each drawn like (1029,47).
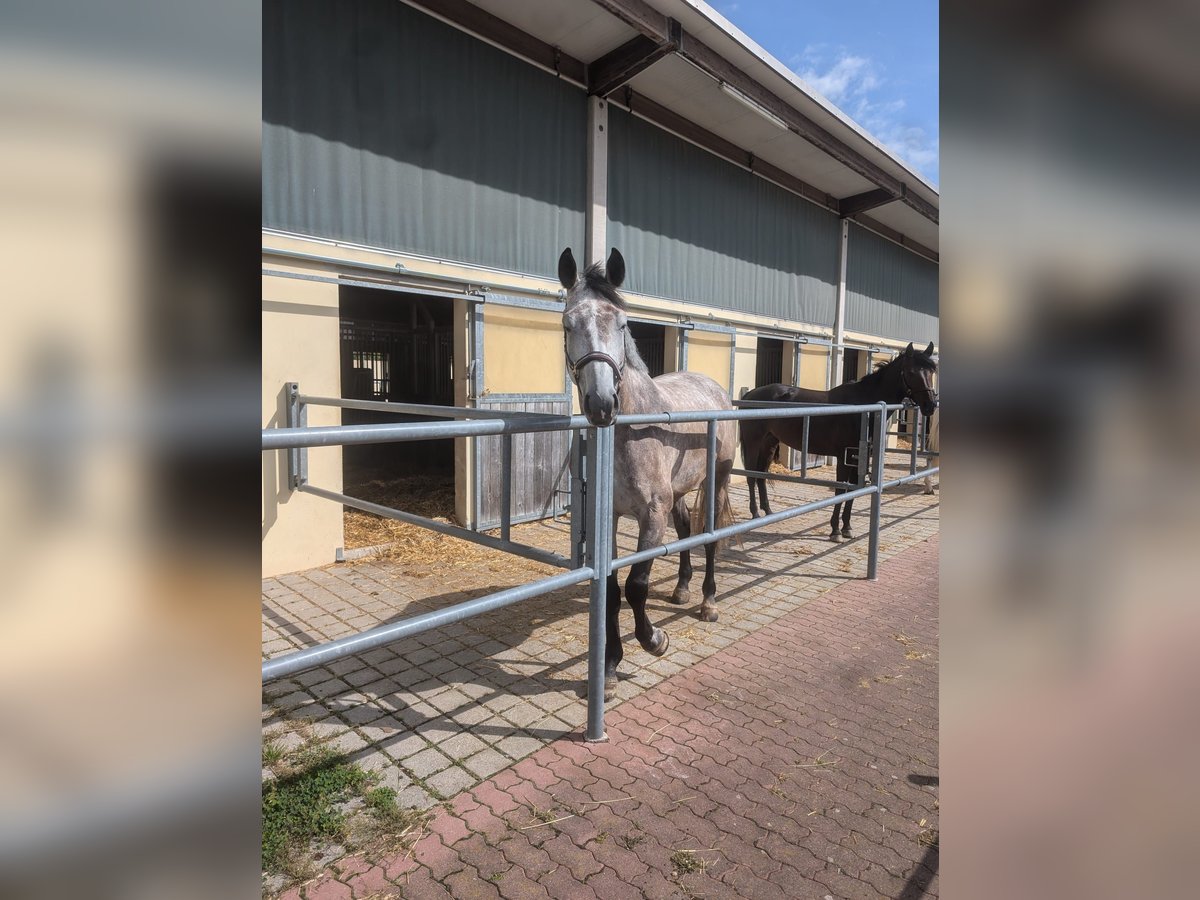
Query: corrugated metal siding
(694,227)
(890,292)
(384,126)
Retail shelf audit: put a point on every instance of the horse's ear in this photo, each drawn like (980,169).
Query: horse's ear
(909,349)
(567,270)
(615,268)
(929,349)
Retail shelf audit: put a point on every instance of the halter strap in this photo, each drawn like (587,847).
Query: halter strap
(909,391)
(573,366)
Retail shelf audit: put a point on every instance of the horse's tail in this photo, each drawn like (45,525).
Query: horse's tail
(723,510)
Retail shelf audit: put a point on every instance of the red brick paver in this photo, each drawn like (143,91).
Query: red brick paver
(798,762)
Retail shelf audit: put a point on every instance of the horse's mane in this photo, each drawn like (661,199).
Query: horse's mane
(595,279)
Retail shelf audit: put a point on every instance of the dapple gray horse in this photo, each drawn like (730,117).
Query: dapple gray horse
(655,466)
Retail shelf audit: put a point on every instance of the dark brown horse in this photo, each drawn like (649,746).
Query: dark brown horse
(907,377)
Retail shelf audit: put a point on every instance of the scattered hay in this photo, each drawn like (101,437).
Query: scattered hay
(928,837)
(915,654)
(685,862)
(902,638)
(418,550)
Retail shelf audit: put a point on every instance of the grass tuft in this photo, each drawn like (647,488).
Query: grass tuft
(301,805)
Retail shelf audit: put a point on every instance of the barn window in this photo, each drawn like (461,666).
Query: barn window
(769,363)
(651,342)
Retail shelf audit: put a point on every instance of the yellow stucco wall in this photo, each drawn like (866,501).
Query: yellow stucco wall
(745,363)
(814,367)
(708,354)
(300,343)
(522,351)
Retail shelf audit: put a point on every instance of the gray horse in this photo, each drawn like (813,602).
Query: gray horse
(656,466)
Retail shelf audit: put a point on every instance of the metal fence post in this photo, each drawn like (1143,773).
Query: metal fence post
(877,496)
(710,479)
(804,449)
(599,556)
(297,417)
(506,447)
(578,497)
(914,432)
(864,424)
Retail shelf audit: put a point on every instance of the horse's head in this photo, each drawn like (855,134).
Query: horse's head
(916,376)
(594,334)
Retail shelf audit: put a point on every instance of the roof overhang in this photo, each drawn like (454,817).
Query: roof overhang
(681,65)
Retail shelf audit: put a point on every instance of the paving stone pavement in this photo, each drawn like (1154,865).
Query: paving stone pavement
(800,761)
(441,712)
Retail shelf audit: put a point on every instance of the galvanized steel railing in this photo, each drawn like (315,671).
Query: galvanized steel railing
(592,549)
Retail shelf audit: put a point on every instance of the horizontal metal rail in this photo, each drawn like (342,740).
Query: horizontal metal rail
(924,473)
(794,479)
(475,537)
(738,415)
(699,540)
(418,409)
(282,666)
(592,531)
(341,435)
(507,423)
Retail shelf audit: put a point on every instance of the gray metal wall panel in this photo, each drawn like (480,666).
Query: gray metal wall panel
(890,292)
(386,127)
(695,227)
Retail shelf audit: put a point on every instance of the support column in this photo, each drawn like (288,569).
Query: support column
(596,248)
(839,312)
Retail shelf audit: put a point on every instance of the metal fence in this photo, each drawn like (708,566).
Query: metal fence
(591,558)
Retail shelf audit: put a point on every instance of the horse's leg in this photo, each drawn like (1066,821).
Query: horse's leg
(851,475)
(637,585)
(683,527)
(749,454)
(765,456)
(708,608)
(614,652)
(833,519)
(840,475)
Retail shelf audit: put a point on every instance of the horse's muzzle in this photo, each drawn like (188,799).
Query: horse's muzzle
(600,409)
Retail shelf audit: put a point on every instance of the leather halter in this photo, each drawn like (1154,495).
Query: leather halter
(908,391)
(573,366)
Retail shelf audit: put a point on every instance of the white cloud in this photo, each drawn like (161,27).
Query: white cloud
(852,83)
(849,77)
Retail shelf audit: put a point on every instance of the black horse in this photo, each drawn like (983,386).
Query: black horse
(907,377)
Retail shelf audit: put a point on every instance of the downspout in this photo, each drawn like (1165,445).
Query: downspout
(839,310)
(596,241)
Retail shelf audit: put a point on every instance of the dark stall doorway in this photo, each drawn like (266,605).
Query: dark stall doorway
(398,347)
(850,366)
(651,342)
(769,364)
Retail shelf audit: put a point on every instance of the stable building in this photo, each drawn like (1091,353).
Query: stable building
(424,163)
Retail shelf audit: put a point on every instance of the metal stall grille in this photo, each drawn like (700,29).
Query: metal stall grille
(383,361)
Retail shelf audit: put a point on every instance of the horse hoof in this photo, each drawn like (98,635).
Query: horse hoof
(610,688)
(708,613)
(681,598)
(847,533)
(836,538)
(661,643)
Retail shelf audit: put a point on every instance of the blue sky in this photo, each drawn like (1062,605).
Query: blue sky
(876,60)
